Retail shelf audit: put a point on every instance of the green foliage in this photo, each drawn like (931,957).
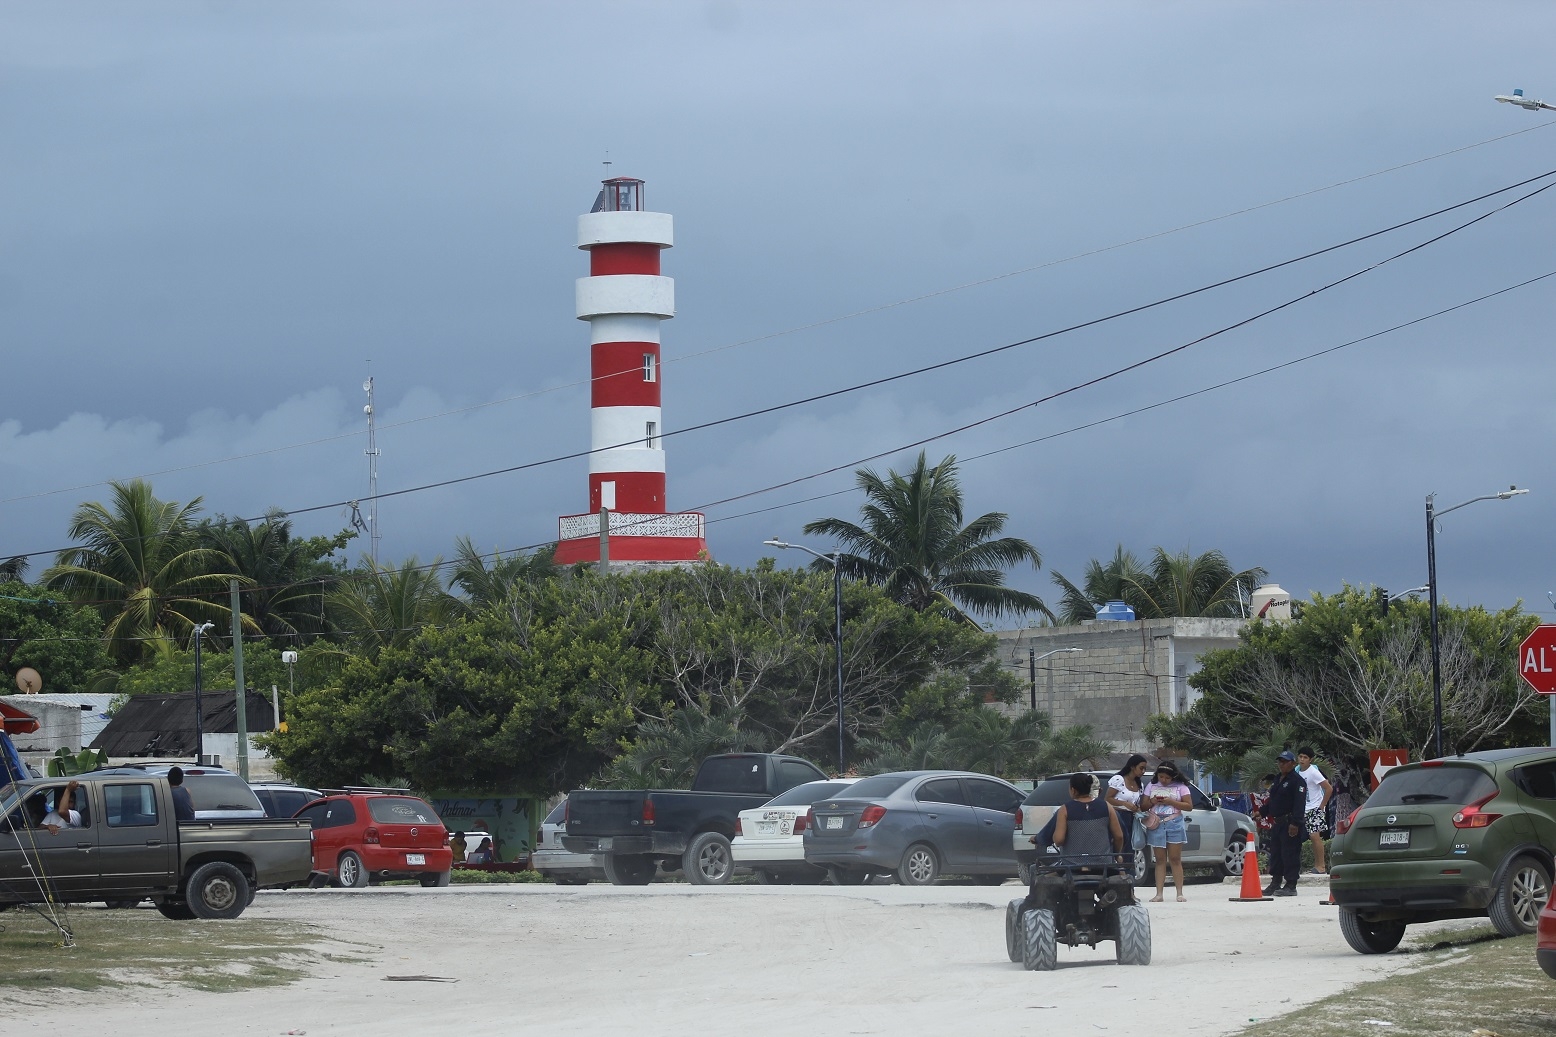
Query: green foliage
(65,763)
(912,542)
(62,641)
(1345,678)
(1181,584)
(984,740)
(484,585)
(666,753)
(285,578)
(378,607)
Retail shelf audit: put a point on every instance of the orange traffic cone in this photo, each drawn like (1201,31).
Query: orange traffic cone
(1251,889)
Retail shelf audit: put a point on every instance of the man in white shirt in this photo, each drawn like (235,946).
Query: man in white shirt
(63,816)
(1318,792)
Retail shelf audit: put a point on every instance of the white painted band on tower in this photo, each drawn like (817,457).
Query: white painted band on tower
(626,293)
(627,459)
(609,228)
(624,327)
(619,426)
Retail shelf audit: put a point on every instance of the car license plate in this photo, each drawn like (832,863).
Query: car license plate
(766,827)
(834,822)
(1394,837)
(415,858)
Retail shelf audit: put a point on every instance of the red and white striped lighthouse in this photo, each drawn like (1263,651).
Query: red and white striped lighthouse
(624,298)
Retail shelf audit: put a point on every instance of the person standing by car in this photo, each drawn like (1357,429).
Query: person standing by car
(183,802)
(1287,808)
(1124,794)
(1166,798)
(1318,792)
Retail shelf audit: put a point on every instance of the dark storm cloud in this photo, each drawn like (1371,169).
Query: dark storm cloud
(217,215)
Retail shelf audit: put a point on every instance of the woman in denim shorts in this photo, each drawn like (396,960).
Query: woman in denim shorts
(1167,797)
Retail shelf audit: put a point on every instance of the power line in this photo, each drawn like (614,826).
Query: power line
(867,311)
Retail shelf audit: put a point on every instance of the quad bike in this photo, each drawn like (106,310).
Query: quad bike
(1077,900)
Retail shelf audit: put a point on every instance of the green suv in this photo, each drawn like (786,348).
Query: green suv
(1462,837)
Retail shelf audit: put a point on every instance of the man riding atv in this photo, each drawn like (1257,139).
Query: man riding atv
(1083,894)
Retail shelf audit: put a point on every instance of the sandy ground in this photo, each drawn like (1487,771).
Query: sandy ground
(673,959)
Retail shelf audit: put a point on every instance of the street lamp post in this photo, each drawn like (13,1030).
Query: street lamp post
(1032,660)
(1528,103)
(833,560)
(1432,515)
(200,629)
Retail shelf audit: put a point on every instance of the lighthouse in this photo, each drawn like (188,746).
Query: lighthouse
(624,299)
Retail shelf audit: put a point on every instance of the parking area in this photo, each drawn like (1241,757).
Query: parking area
(774,960)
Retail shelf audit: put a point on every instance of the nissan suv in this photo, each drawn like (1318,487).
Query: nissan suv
(1462,837)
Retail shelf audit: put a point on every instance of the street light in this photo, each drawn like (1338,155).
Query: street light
(837,627)
(1517,97)
(200,628)
(1432,515)
(1032,660)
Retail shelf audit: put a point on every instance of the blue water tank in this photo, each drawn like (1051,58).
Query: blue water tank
(1116,612)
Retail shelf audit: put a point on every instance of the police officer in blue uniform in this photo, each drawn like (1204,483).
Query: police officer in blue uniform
(1287,808)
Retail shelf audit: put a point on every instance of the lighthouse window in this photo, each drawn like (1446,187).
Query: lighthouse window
(626,197)
(650,433)
(650,363)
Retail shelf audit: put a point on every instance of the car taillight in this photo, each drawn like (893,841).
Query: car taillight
(738,831)
(871,815)
(1345,825)
(1018,817)
(1473,816)
(370,834)
(648,810)
(800,821)
(567,811)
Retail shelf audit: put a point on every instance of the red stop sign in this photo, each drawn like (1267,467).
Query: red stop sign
(1537,659)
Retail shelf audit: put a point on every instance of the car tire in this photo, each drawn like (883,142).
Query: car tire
(1024,875)
(1523,891)
(217,890)
(349,873)
(1134,935)
(1145,867)
(629,869)
(847,876)
(708,861)
(920,866)
(177,910)
(436,879)
(1039,941)
(1232,860)
(1013,939)
(1370,937)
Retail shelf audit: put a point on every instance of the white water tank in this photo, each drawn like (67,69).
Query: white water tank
(1270,602)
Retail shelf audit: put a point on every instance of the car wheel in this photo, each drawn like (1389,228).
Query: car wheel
(1134,935)
(436,879)
(1145,873)
(1024,876)
(708,860)
(217,890)
(629,869)
(1232,860)
(847,876)
(1515,909)
(177,910)
(920,866)
(1013,939)
(1370,937)
(349,871)
(1039,941)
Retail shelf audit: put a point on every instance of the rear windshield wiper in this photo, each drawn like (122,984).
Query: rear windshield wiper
(1422,797)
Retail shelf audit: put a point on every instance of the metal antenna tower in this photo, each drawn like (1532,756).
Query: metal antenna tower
(372,470)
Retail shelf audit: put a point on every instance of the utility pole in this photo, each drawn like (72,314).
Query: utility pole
(605,540)
(372,471)
(1032,675)
(199,631)
(237,682)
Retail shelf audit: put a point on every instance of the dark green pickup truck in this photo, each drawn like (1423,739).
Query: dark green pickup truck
(129,848)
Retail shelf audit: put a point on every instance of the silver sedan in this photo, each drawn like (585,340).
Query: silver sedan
(917,826)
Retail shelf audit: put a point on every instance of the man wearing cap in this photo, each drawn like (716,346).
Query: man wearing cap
(1286,807)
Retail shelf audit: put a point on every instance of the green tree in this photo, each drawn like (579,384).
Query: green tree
(142,566)
(1118,579)
(61,641)
(285,576)
(1181,584)
(912,542)
(1347,678)
(486,584)
(376,607)
(14,570)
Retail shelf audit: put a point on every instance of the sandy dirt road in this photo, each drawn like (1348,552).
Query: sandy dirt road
(673,959)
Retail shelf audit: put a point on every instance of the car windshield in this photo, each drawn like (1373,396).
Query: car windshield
(1050,792)
(876,786)
(1446,784)
(732,774)
(401,810)
(220,792)
(557,813)
(806,794)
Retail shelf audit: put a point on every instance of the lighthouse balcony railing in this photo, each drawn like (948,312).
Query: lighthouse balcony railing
(687,524)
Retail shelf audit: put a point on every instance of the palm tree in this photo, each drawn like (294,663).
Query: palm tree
(913,543)
(484,586)
(14,570)
(283,601)
(377,607)
(666,753)
(1119,579)
(142,566)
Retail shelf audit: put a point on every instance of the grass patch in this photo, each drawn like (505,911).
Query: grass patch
(1465,980)
(141,948)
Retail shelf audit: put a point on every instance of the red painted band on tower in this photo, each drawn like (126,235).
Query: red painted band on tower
(622,377)
(642,493)
(623,257)
(632,549)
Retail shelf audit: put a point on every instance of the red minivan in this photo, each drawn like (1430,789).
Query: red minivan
(358,837)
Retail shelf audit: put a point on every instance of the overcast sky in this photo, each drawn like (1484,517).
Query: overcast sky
(218,219)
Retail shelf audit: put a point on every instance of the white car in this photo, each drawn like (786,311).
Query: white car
(769,839)
(562,866)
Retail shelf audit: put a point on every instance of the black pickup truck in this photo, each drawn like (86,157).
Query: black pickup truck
(128,847)
(635,830)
